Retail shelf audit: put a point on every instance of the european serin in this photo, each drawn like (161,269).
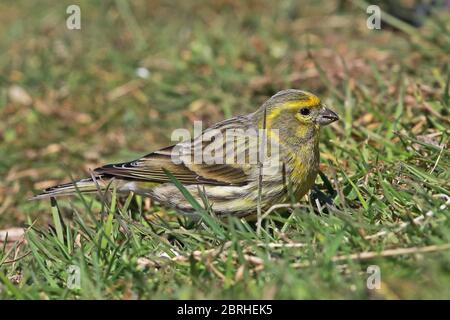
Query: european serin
(260,158)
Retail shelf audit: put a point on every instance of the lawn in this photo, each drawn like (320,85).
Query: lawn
(71,100)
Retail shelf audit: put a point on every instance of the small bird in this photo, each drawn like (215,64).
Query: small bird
(237,165)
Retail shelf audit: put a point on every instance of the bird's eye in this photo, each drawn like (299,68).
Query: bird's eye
(305,111)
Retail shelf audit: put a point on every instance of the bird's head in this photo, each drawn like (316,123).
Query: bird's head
(296,108)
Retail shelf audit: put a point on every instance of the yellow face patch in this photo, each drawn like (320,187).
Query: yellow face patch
(312,101)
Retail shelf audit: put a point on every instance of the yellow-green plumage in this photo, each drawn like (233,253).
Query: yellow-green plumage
(290,120)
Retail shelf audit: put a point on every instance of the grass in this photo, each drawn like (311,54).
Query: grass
(72,100)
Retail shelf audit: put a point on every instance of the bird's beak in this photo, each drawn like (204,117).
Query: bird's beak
(326,116)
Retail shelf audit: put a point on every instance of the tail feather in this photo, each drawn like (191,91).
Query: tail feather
(81,186)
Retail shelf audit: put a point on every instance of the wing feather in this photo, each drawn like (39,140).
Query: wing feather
(151,167)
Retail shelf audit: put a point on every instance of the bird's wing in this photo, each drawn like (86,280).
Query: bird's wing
(180,160)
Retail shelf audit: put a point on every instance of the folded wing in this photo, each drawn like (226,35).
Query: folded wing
(179,160)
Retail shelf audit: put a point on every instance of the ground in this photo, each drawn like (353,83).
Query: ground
(71,100)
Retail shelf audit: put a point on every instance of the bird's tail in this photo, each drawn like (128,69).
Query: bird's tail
(87,185)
